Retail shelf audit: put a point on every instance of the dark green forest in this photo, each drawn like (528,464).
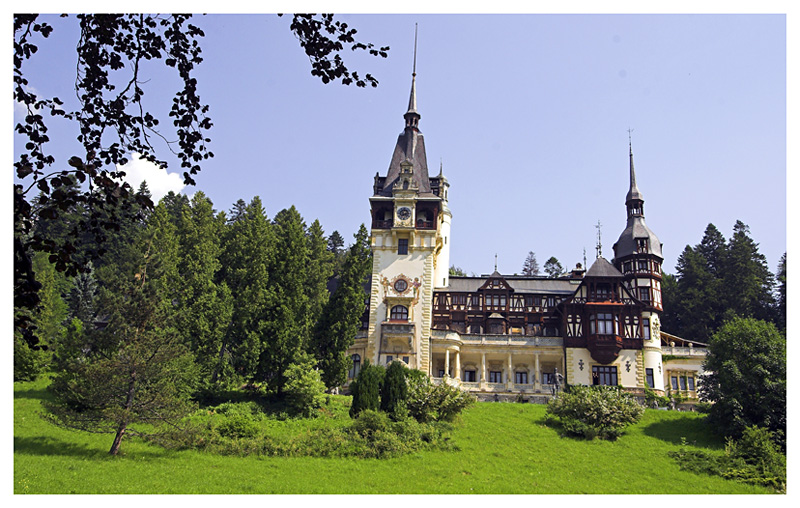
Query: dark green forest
(718,280)
(238,296)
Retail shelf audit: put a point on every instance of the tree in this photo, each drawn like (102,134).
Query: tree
(288,330)
(341,318)
(114,123)
(530,266)
(394,391)
(746,377)
(781,300)
(203,306)
(699,306)
(135,374)
(747,281)
(304,387)
(366,388)
(456,271)
(553,268)
(247,257)
(335,243)
(319,270)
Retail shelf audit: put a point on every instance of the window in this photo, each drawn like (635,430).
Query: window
(400,285)
(605,376)
(650,379)
(389,359)
(547,378)
(441,372)
(475,329)
(674,382)
(603,291)
(475,302)
(356,368)
(521,378)
(691,382)
(646,328)
(683,383)
(644,294)
(459,299)
(402,246)
(405,360)
(495,376)
(603,324)
(642,265)
(399,313)
(469,376)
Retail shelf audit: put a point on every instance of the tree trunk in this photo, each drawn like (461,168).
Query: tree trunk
(117,439)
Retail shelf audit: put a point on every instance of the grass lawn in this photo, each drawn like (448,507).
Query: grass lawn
(504,449)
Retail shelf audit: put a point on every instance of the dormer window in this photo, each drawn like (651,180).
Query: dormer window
(641,245)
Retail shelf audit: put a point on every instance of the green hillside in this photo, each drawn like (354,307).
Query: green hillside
(503,449)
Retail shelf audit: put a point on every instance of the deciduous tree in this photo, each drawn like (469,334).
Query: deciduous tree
(746,377)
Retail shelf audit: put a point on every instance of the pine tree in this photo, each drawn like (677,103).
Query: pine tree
(135,370)
(341,317)
(697,307)
(531,266)
(781,300)
(553,268)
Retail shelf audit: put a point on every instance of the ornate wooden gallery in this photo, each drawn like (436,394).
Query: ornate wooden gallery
(501,336)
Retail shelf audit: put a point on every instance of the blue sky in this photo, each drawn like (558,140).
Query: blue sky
(528,114)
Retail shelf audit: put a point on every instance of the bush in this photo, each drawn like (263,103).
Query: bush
(366,389)
(595,411)
(428,402)
(394,391)
(237,426)
(304,389)
(29,363)
(652,398)
(754,459)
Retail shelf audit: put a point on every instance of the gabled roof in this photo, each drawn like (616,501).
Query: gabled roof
(524,285)
(602,268)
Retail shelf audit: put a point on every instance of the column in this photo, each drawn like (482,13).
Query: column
(446,363)
(537,380)
(510,377)
(458,365)
(483,370)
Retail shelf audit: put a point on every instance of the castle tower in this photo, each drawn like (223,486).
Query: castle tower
(637,254)
(410,248)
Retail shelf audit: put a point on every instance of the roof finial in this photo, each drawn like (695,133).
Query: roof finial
(414,69)
(495,262)
(411,116)
(599,242)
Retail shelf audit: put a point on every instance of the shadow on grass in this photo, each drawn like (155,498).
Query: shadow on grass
(49,446)
(33,393)
(694,430)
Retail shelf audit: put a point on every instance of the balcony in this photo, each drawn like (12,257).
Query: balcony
(426,224)
(382,224)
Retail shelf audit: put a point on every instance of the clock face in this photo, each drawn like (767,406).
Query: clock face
(404,213)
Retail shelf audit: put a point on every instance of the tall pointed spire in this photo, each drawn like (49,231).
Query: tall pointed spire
(411,116)
(634,200)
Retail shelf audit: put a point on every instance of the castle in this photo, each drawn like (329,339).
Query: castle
(501,336)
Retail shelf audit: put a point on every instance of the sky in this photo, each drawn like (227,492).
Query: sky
(528,115)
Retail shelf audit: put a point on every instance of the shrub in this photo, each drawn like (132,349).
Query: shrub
(29,363)
(394,390)
(652,397)
(366,388)
(595,411)
(237,426)
(304,389)
(754,459)
(428,402)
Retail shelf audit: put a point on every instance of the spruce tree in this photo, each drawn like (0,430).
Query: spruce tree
(530,266)
(318,272)
(747,281)
(287,315)
(204,307)
(341,318)
(247,257)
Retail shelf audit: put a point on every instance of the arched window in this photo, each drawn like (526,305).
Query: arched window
(399,313)
(356,368)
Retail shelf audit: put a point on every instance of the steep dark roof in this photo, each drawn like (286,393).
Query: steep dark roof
(410,146)
(636,229)
(602,268)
